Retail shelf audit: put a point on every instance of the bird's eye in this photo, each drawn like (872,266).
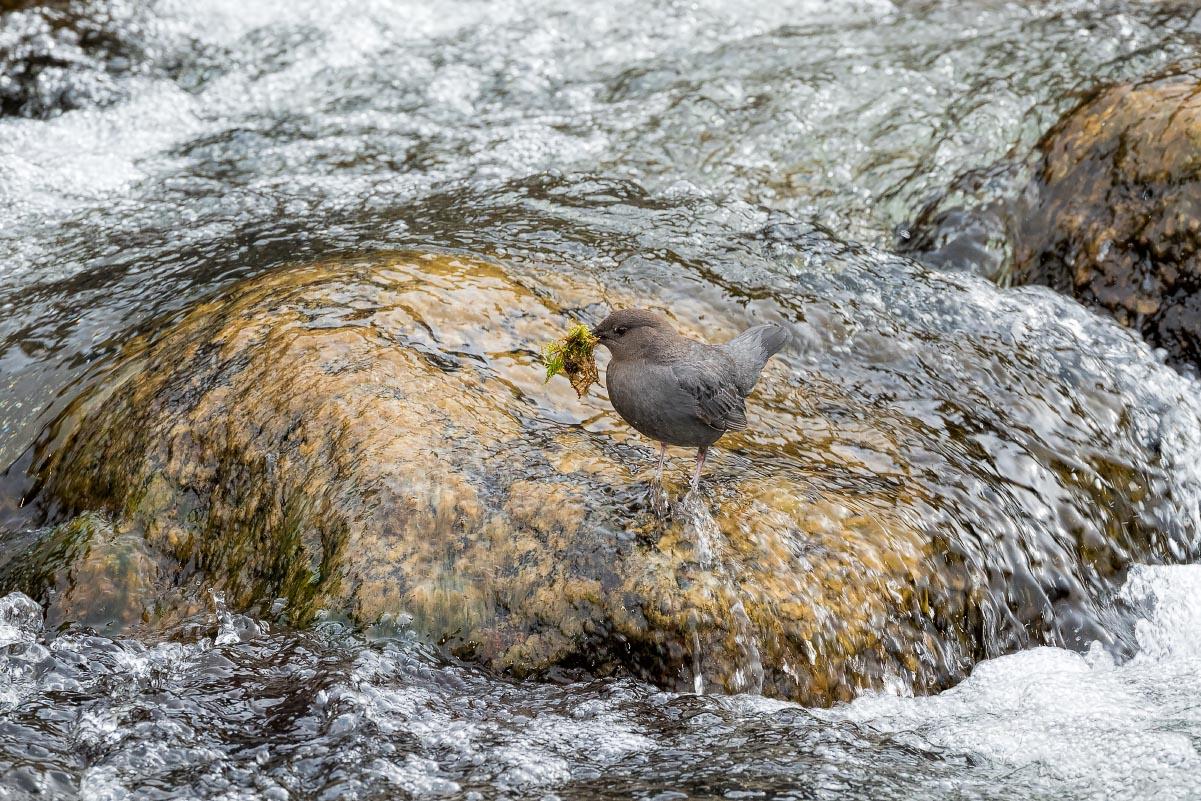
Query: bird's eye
(619,330)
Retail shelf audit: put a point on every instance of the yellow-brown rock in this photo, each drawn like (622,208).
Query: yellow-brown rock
(1114,216)
(375,439)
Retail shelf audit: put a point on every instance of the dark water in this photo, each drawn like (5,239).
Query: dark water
(186,145)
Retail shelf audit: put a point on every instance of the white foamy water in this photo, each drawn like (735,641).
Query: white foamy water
(353,718)
(253,134)
(1061,724)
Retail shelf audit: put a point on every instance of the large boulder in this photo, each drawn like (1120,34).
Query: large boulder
(1114,214)
(377,438)
(374,439)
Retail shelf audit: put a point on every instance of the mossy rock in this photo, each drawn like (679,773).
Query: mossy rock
(1114,214)
(93,573)
(375,438)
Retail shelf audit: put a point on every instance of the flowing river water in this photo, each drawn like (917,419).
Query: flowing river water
(760,156)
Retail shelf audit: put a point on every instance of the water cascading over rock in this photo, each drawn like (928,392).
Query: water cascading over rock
(1111,214)
(373,438)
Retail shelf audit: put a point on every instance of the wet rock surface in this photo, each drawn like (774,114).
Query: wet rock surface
(373,438)
(1108,211)
(90,572)
(674,153)
(1117,219)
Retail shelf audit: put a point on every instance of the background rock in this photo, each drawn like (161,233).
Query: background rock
(1106,211)
(1116,214)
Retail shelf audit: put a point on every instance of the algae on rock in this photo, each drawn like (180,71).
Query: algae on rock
(371,438)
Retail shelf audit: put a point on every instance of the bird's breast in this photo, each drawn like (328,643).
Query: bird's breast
(648,397)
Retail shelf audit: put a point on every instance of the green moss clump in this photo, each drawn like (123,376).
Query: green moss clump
(573,354)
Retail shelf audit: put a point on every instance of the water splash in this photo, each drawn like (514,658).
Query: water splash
(21,619)
(701,529)
(748,677)
(330,712)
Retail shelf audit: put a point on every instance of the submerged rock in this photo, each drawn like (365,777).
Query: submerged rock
(91,572)
(374,439)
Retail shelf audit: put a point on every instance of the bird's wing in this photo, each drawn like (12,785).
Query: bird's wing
(718,403)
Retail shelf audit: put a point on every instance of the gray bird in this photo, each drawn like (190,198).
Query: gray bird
(678,391)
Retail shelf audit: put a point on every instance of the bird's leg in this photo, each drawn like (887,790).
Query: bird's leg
(658,497)
(700,464)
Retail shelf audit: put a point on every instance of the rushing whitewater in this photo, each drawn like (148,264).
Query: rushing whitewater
(163,162)
(251,712)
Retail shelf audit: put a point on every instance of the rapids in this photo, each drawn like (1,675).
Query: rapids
(748,159)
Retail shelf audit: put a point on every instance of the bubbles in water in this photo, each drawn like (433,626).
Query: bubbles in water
(1172,595)
(301,714)
(20,619)
(229,137)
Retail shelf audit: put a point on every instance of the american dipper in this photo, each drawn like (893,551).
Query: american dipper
(678,391)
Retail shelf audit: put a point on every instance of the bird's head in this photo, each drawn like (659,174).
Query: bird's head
(626,332)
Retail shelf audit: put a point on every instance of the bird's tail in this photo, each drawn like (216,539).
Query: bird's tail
(752,348)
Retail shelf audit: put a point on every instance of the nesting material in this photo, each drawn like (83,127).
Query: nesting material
(573,355)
